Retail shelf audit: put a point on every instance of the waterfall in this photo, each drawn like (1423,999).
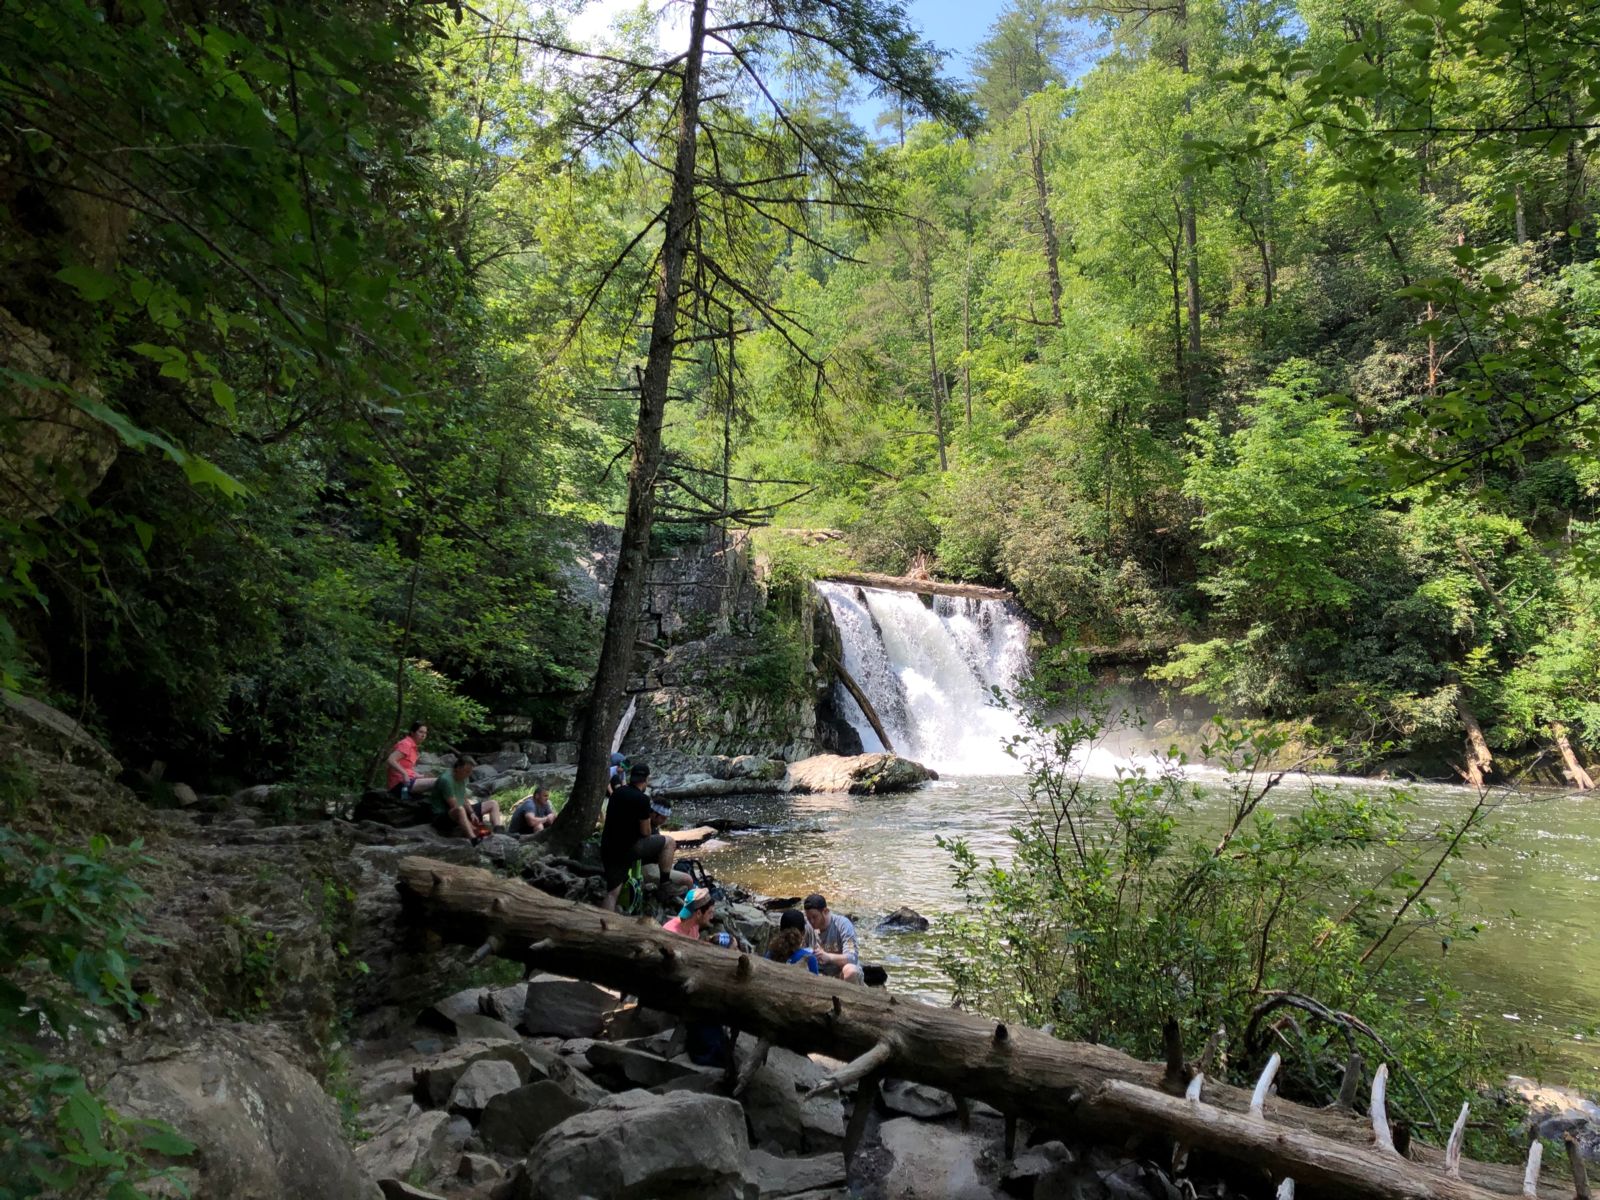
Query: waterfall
(930,673)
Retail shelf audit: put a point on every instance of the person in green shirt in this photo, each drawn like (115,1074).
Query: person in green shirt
(453,808)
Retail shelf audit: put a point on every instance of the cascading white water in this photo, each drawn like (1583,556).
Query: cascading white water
(931,672)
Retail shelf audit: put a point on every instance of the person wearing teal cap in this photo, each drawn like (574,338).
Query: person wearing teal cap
(695,917)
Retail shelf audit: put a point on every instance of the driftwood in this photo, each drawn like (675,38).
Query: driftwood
(1581,779)
(855,689)
(924,587)
(1022,1072)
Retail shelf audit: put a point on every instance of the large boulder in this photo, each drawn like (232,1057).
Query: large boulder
(416,1145)
(680,1146)
(780,1119)
(777,1176)
(262,1127)
(513,1121)
(565,1008)
(930,1162)
(436,1076)
(860,775)
(481,1083)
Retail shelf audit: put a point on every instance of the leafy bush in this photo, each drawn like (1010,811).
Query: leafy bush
(1117,913)
(72,922)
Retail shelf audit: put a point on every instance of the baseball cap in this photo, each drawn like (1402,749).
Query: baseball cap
(695,900)
(816,900)
(618,759)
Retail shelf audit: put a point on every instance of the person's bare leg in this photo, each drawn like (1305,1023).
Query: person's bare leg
(669,851)
(491,810)
(851,973)
(423,784)
(464,821)
(610,901)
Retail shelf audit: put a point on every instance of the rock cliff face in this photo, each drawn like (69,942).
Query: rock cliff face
(721,670)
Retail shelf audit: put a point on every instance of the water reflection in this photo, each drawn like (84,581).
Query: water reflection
(1532,975)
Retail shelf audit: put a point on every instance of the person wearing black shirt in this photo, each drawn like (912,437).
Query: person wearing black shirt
(629,834)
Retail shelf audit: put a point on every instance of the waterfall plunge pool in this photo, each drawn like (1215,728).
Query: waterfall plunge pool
(930,666)
(1531,977)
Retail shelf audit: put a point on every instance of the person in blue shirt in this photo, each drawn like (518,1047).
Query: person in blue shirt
(788,944)
(833,938)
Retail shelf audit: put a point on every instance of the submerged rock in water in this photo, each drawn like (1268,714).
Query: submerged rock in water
(861,774)
(903,920)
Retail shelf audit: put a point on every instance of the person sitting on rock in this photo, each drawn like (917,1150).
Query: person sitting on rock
(454,809)
(629,834)
(707,1043)
(532,813)
(403,780)
(695,917)
(833,938)
(788,944)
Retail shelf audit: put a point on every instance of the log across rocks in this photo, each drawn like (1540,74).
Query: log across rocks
(1022,1072)
(924,587)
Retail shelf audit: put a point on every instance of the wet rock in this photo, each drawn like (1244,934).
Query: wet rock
(514,1120)
(483,773)
(422,1146)
(777,1176)
(863,774)
(262,1127)
(903,920)
(753,766)
(565,1008)
(436,1076)
(184,796)
(637,1144)
(917,1100)
(507,760)
(480,1083)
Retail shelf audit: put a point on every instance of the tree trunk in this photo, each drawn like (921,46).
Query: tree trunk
(1191,240)
(582,810)
(924,587)
(867,710)
(1581,779)
(1479,762)
(934,378)
(966,331)
(1022,1072)
(1052,245)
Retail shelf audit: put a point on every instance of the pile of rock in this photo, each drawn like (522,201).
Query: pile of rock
(557,1088)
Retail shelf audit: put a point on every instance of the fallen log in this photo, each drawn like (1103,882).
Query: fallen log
(1022,1072)
(867,710)
(924,587)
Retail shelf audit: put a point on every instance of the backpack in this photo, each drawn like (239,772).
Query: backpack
(699,877)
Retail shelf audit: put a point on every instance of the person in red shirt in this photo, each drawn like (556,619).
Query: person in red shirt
(404,781)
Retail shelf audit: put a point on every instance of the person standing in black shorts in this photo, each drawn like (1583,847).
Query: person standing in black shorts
(629,834)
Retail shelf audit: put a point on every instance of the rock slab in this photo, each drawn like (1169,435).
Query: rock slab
(676,1147)
(262,1127)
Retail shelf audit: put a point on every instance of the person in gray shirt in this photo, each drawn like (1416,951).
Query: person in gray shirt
(833,937)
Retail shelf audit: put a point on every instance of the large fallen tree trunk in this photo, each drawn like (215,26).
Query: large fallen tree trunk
(925,587)
(1022,1072)
(865,703)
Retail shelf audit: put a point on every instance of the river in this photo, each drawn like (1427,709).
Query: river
(1531,977)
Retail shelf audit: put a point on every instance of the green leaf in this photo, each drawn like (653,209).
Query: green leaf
(223,395)
(91,284)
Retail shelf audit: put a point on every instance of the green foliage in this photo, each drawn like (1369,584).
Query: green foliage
(1114,914)
(68,947)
